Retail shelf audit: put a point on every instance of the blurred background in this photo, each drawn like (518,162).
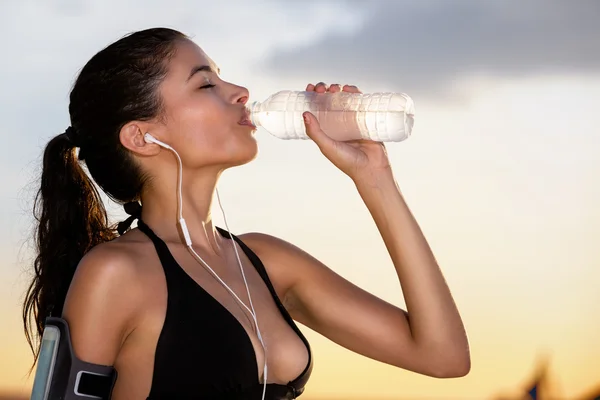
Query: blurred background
(502,171)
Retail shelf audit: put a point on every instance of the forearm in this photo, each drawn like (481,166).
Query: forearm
(434,319)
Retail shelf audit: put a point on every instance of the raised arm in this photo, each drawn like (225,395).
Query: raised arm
(428,338)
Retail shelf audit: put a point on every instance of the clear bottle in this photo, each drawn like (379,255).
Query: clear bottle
(382,117)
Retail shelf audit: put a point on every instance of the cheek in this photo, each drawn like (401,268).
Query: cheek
(206,132)
(200,118)
(196,123)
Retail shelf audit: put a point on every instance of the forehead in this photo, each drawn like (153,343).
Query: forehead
(187,57)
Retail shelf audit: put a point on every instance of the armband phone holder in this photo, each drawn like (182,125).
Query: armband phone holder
(60,375)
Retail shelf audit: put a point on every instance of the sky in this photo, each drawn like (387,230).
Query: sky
(501,170)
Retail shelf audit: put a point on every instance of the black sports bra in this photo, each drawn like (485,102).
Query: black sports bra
(193,362)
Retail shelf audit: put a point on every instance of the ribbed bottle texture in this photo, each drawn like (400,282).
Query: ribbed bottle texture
(382,117)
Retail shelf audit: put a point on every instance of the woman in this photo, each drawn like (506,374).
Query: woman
(144,304)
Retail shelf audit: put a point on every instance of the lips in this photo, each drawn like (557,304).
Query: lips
(246,119)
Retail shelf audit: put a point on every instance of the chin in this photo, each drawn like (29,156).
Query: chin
(244,154)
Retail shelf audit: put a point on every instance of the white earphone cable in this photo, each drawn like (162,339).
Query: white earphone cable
(188,242)
(249,297)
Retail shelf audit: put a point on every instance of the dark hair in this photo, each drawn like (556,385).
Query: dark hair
(118,85)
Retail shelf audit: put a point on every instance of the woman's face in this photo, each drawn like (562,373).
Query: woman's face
(205,118)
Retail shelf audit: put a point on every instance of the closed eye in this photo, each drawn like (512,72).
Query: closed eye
(207,86)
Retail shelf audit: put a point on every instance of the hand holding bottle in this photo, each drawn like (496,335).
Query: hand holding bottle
(359,159)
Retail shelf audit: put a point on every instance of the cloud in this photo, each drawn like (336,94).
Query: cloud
(45,44)
(424,47)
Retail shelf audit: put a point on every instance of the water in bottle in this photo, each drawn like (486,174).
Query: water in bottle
(383,117)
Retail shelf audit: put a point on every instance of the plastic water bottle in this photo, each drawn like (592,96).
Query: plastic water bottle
(382,117)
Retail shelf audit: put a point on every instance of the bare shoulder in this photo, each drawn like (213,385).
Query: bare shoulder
(286,264)
(274,252)
(104,296)
(108,272)
(106,268)
(280,253)
(262,242)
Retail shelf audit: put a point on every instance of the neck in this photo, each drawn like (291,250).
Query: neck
(160,210)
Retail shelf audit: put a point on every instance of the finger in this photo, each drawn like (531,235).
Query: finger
(310,87)
(351,89)
(314,131)
(321,87)
(335,88)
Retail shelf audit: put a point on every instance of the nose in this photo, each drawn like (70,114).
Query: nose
(241,95)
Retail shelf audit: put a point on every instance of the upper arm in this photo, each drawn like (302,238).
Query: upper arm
(324,301)
(100,304)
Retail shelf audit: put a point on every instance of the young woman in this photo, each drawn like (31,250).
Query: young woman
(166,315)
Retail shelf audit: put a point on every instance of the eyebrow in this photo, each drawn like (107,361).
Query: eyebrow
(202,68)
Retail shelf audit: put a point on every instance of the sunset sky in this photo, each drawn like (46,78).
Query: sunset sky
(502,170)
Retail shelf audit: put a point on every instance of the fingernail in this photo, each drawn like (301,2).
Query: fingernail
(306,118)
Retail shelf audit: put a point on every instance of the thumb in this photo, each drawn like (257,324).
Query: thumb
(314,131)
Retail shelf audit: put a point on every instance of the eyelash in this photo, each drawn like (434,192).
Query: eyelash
(207,86)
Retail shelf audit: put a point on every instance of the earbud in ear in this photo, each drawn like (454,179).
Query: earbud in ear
(148,138)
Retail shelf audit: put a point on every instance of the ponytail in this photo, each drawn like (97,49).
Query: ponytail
(71,219)
(119,84)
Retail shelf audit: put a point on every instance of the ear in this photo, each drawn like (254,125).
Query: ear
(132,138)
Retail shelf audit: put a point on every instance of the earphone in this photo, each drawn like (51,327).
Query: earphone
(148,138)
